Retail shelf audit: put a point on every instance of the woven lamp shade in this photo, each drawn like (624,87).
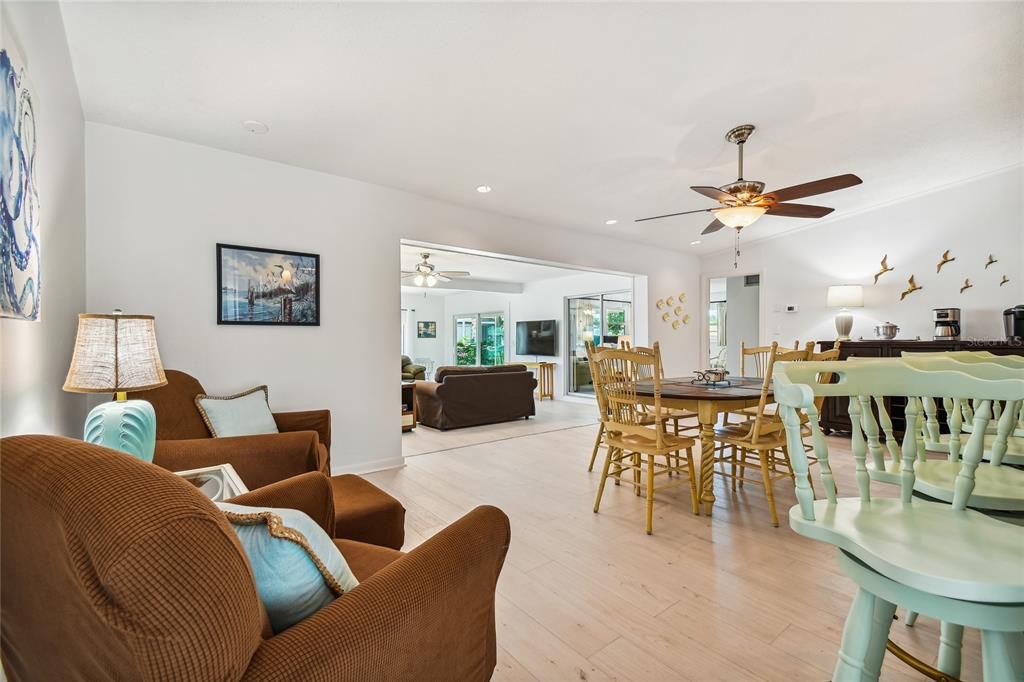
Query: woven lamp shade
(115,353)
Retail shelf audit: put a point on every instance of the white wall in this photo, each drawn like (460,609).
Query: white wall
(972,220)
(157,206)
(34,356)
(742,305)
(426,308)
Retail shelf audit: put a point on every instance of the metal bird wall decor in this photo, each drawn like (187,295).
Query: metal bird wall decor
(967,285)
(946,258)
(1005,280)
(991,259)
(885,268)
(911,288)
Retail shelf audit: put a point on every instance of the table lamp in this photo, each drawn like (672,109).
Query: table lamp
(115,354)
(844,297)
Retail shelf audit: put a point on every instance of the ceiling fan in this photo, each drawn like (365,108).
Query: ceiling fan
(426,274)
(744,201)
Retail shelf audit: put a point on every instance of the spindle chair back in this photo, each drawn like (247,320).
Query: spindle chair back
(941,559)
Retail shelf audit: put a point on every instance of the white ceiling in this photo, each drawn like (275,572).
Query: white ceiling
(575,113)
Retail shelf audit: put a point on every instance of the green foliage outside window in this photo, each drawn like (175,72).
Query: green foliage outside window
(616,322)
(465,352)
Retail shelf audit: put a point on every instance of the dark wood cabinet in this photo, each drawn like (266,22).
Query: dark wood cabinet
(834,415)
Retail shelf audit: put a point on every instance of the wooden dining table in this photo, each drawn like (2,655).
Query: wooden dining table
(708,401)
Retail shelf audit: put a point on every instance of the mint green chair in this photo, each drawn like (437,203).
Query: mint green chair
(1016,444)
(941,559)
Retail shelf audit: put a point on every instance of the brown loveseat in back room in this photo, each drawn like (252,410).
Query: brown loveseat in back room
(115,569)
(362,510)
(471,396)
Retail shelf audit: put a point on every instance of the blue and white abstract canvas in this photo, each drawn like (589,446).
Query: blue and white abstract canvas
(19,201)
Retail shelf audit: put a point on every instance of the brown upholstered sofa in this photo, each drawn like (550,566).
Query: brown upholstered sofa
(363,511)
(470,396)
(113,568)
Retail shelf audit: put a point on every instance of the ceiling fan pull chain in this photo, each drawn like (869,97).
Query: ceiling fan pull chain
(736,252)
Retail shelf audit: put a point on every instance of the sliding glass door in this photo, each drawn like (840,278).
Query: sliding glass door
(480,339)
(603,319)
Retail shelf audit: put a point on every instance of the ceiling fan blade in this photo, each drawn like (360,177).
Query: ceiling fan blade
(407,275)
(669,215)
(809,189)
(715,226)
(714,193)
(441,278)
(452,273)
(799,210)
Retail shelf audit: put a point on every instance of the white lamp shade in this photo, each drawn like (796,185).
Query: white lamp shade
(115,353)
(739,216)
(846,296)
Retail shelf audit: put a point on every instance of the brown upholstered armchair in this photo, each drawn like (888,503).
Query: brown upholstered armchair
(363,512)
(183,441)
(113,568)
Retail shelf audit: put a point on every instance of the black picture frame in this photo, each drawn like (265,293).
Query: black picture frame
(262,297)
(426,329)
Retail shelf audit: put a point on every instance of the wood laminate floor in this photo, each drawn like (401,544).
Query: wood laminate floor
(587,596)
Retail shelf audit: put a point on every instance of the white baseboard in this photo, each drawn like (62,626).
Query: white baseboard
(369,466)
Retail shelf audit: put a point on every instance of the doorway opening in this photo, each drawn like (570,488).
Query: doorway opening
(602,319)
(733,319)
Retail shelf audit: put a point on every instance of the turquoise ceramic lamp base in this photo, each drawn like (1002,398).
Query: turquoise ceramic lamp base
(125,425)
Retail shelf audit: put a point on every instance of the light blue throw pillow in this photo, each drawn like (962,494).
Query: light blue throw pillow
(297,566)
(243,414)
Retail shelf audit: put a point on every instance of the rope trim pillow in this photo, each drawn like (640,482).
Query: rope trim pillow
(297,567)
(238,414)
(279,530)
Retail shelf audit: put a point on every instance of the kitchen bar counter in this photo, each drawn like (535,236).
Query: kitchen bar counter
(834,416)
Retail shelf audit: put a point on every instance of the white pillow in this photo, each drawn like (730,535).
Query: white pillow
(243,414)
(297,567)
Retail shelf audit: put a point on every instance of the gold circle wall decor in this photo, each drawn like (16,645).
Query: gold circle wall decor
(674,305)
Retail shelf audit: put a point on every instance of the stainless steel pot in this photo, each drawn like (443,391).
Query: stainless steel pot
(886,331)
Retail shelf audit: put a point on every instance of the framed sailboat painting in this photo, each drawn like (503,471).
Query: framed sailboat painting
(267,286)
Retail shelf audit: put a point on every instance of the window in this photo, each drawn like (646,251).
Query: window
(480,339)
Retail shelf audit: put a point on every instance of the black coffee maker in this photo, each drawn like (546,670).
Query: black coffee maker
(1013,323)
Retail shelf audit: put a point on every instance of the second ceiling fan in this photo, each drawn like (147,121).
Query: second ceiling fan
(744,201)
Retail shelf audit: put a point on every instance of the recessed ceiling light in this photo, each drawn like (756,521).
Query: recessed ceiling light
(695,242)
(256,127)
(610,221)
(483,189)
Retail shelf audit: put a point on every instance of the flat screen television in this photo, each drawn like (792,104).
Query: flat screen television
(539,337)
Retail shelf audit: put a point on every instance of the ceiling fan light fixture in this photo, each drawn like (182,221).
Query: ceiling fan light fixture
(418,280)
(739,216)
(431,280)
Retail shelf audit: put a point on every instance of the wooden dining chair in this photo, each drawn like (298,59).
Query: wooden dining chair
(635,433)
(602,409)
(760,442)
(758,356)
(770,409)
(938,558)
(675,415)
